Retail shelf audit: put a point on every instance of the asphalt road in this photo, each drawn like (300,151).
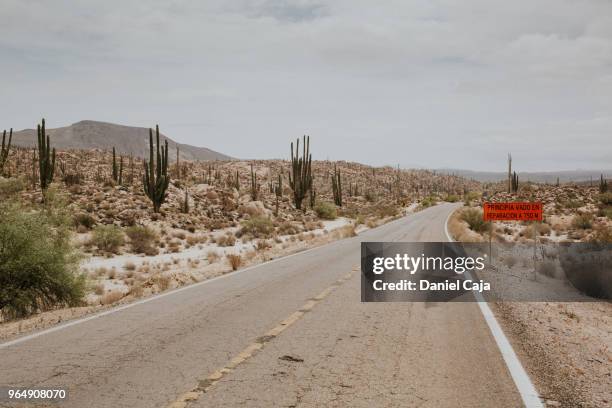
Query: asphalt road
(337,352)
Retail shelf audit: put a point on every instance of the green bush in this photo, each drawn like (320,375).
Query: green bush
(451,198)
(258,226)
(108,238)
(10,187)
(326,211)
(38,266)
(428,202)
(583,221)
(606,198)
(142,239)
(85,220)
(473,217)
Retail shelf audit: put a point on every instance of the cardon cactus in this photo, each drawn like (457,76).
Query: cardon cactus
(155,179)
(300,176)
(46,157)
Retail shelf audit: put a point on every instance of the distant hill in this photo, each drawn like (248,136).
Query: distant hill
(539,177)
(89,134)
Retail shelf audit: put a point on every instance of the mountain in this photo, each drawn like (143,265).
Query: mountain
(539,177)
(89,134)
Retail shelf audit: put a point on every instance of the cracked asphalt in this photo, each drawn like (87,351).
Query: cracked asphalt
(340,353)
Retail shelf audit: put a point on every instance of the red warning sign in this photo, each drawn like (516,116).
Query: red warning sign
(515,211)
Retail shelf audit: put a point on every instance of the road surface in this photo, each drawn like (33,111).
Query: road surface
(335,352)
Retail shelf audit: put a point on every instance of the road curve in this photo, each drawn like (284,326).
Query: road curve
(340,353)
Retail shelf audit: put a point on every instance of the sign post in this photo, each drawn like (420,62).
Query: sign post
(516,211)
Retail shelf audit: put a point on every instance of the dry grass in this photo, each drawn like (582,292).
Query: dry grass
(111,297)
(234,260)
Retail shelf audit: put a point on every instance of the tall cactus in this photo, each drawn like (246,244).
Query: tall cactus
(254,185)
(515,182)
(155,179)
(278,192)
(603,184)
(46,157)
(337,187)
(510,173)
(117,169)
(300,176)
(5,149)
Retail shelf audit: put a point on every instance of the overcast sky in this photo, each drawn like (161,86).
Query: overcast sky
(437,83)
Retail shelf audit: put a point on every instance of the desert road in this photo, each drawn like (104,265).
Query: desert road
(332,350)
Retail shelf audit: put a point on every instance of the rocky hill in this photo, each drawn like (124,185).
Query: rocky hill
(128,140)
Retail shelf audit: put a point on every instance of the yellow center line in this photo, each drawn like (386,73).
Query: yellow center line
(205,384)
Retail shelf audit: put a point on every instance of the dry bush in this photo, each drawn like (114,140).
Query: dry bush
(326,211)
(179,234)
(142,239)
(258,227)
(129,266)
(112,274)
(288,228)
(162,281)
(226,240)
(108,238)
(137,290)
(111,297)
(212,257)
(235,260)
(547,268)
(583,221)
(473,217)
(99,289)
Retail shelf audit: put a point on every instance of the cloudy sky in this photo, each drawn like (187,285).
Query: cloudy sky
(437,83)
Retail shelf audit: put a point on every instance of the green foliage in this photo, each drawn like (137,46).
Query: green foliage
(84,219)
(155,179)
(451,198)
(258,226)
(337,187)
(583,221)
(300,176)
(428,202)
(473,217)
(326,211)
(46,157)
(108,238)
(5,149)
(38,266)
(603,185)
(142,239)
(606,198)
(10,187)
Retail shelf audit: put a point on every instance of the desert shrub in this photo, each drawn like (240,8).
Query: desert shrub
(258,226)
(288,228)
(38,266)
(10,187)
(384,211)
(84,220)
(108,238)
(473,217)
(226,240)
(602,235)
(607,212)
(606,198)
(547,268)
(451,198)
(428,202)
(583,221)
(142,239)
(326,211)
(234,260)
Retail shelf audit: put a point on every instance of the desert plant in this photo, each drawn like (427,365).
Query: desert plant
(155,178)
(5,149)
(313,197)
(603,184)
(473,217)
(258,226)
(142,239)
(254,185)
(235,260)
(606,198)
(46,157)
(300,176)
(10,187)
(185,204)
(38,265)
(85,220)
(515,182)
(325,210)
(337,187)
(117,169)
(278,192)
(108,238)
(583,221)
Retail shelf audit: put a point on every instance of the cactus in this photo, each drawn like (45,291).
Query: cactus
(514,183)
(510,177)
(178,164)
(278,192)
(300,176)
(603,184)
(4,150)
(46,157)
(155,179)
(185,205)
(313,198)
(337,187)
(254,185)
(117,169)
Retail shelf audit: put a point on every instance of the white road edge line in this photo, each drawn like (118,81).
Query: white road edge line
(523,383)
